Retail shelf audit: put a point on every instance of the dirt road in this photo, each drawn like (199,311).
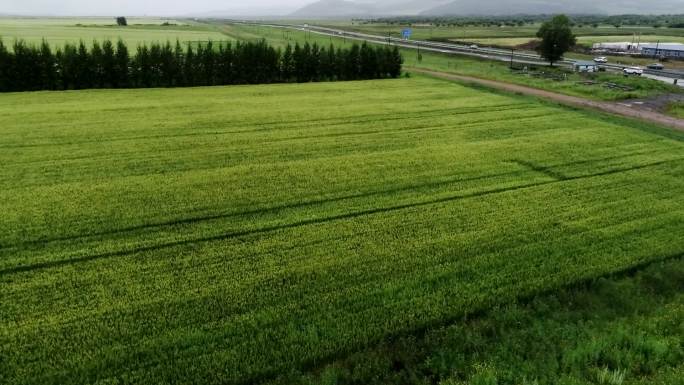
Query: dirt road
(610,107)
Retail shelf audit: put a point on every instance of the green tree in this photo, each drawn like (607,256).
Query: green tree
(122,65)
(287,64)
(108,63)
(189,67)
(556,38)
(367,62)
(46,61)
(179,59)
(67,62)
(97,65)
(25,67)
(395,63)
(5,58)
(299,62)
(121,21)
(84,67)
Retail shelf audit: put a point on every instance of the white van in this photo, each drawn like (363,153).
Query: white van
(633,71)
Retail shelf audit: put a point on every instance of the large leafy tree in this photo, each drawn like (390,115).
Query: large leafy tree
(556,38)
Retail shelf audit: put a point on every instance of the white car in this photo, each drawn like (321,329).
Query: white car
(474,46)
(601,59)
(633,71)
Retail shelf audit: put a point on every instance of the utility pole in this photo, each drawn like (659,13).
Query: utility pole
(512,58)
(655,54)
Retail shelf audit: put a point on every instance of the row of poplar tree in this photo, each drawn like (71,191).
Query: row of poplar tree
(27,67)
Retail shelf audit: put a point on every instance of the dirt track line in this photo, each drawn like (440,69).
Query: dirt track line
(613,108)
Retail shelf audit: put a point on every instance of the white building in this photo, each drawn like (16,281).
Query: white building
(627,47)
(668,50)
(585,66)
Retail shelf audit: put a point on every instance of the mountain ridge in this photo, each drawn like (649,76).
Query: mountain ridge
(379,8)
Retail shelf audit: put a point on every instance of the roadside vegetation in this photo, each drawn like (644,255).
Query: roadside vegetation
(519,32)
(597,86)
(241,234)
(676,109)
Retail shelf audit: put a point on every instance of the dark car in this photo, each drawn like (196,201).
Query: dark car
(655,66)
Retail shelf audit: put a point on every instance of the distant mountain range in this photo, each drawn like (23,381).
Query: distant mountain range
(377,8)
(349,8)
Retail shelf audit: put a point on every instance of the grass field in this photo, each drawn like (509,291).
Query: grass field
(235,235)
(58,31)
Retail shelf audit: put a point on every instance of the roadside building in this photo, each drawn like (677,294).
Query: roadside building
(585,66)
(620,47)
(668,50)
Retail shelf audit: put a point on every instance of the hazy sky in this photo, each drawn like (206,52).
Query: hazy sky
(146,7)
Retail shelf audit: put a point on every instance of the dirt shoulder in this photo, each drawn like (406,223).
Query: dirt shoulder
(627,109)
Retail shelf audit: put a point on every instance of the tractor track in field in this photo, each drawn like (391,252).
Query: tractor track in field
(306,222)
(616,108)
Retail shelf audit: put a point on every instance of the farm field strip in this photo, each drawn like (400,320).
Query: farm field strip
(58,31)
(226,237)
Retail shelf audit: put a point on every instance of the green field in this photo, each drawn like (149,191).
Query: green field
(239,234)
(621,330)
(58,31)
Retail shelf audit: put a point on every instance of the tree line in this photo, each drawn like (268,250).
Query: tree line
(107,65)
(671,21)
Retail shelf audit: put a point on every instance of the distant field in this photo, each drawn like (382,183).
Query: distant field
(424,32)
(58,31)
(234,234)
(590,40)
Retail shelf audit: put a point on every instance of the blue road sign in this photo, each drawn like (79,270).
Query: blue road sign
(406,33)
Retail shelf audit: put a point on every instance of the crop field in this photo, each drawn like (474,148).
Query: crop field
(233,234)
(58,31)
